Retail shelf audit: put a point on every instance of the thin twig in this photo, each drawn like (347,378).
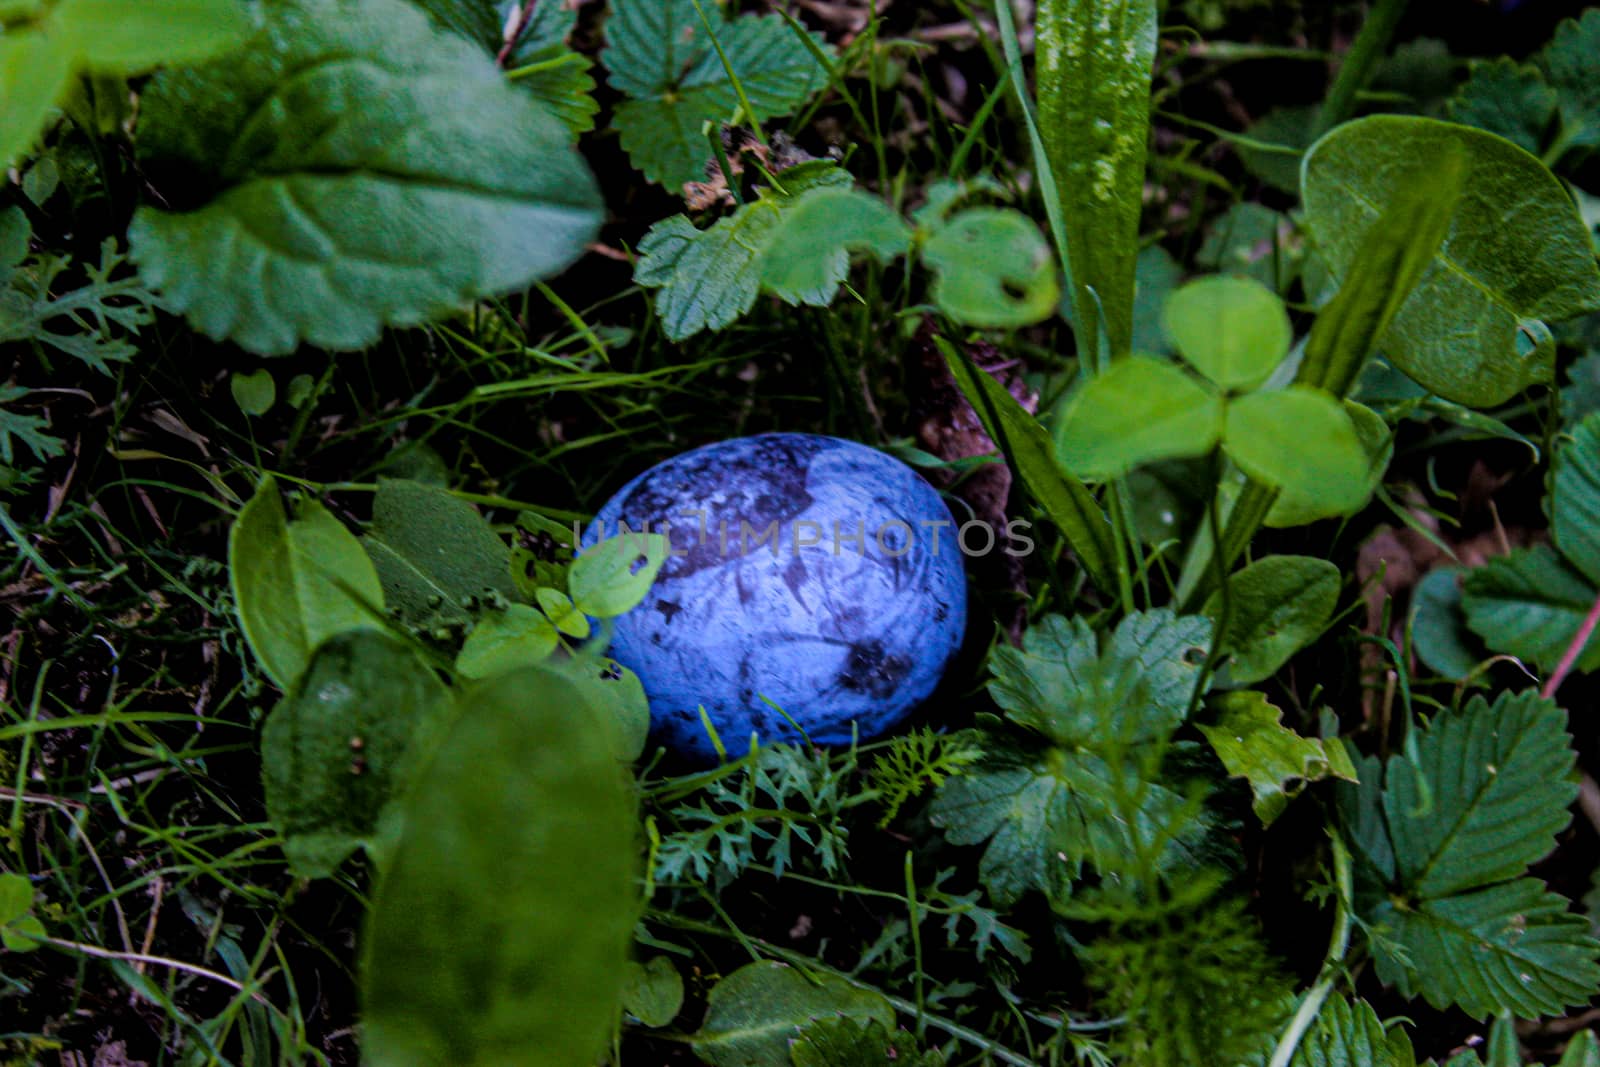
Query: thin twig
(1574,650)
(514,31)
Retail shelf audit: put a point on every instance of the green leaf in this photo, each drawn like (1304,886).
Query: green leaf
(40,55)
(754,1013)
(538,60)
(653,992)
(1138,411)
(1065,499)
(1044,812)
(807,256)
(619,694)
(334,752)
(1346,1033)
(26,430)
(1509,99)
(16,897)
(1497,780)
(434,553)
(992,269)
(1252,742)
(24,935)
(254,393)
(1295,507)
(612,576)
(1233,330)
(1094,62)
(660,54)
(1582,1051)
(845,1042)
(1255,242)
(1136,688)
(709,278)
(500,931)
(561,612)
(1575,499)
(503,641)
(1158,275)
(323,222)
(1280,604)
(1439,633)
(1574,71)
(1300,440)
(1511,946)
(1506,280)
(1530,604)
(297,583)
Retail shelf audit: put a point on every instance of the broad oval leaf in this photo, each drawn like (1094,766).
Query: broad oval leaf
(1439,633)
(296,584)
(1300,440)
(754,1013)
(993,269)
(611,576)
(434,552)
(1138,411)
(503,641)
(652,992)
(1233,330)
(324,222)
(334,752)
(500,931)
(1516,256)
(1278,606)
(1294,508)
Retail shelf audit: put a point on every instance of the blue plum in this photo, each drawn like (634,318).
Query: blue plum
(811,578)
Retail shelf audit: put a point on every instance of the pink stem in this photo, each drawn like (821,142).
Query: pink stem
(1570,656)
(517,27)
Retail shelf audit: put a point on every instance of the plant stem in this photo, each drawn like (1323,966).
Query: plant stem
(1359,63)
(1574,650)
(1338,945)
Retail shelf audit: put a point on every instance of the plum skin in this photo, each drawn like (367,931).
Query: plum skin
(832,633)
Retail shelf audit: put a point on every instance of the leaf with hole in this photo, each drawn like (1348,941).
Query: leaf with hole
(1251,741)
(297,583)
(611,576)
(1474,329)
(335,751)
(1138,411)
(319,222)
(993,269)
(499,932)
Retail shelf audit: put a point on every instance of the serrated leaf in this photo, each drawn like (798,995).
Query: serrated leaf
(1301,441)
(754,1013)
(1511,946)
(1137,411)
(707,279)
(652,992)
(1530,604)
(27,430)
(334,752)
(434,553)
(1575,499)
(1345,1033)
(992,269)
(1233,330)
(503,641)
(660,54)
(1507,281)
(611,576)
(499,932)
(807,257)
(1278,606)
(324,222)
(296,584)
(1252,742)
(1095,59)
(1507,98)
(1486,797)
(1574,72)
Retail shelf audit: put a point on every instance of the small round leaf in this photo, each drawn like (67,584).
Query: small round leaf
(1233,330)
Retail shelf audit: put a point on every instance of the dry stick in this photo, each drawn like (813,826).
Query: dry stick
(514,31)
(1570,656)
(159,961)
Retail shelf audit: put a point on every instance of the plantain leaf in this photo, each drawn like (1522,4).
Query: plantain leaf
(323,222)
(754,1013)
